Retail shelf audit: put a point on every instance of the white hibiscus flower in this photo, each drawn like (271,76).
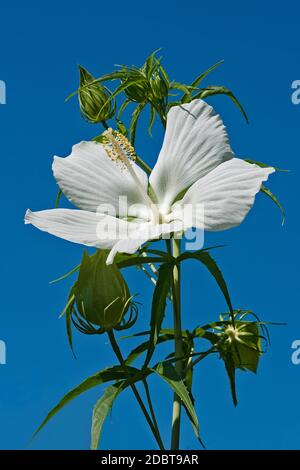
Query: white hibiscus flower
(195,167)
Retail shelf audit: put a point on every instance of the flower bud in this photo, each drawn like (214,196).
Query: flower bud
(102,296)
(159,86)
(93,99)
(138,91)
(242,341)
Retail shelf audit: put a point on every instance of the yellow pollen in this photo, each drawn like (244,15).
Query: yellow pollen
(118,148)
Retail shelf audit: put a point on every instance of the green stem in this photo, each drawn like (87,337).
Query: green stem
(175,438)
(143,165)
(148,395)
(119,355)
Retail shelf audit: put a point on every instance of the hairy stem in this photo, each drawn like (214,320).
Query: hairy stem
(119,355)
(175,437)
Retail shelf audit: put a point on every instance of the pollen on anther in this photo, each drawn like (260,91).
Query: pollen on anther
(118,148)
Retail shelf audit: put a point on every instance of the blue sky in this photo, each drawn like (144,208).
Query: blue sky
(41,45)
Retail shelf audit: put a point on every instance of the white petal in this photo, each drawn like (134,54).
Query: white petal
(86,228)
(226,194)
(143,234)
(89,178)
(195,143)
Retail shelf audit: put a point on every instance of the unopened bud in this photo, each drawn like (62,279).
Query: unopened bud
(102,295)
(94,99)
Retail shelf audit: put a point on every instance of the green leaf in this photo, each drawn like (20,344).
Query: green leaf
(269,193)
(136,352)
(106,375)
(101,410)
(148,66)
(200,78)
(69,330)
(163,254)
(64,276)
(168,373)
(123,107)
(105,403)
(134,119)
(59,195)
(189,347)
(230,369)
(264,165)
(203,75)
(135,260)
(159,301)
(68,314)
(164,73)
(152,119)
(180,86)
(205,258)
(221,90)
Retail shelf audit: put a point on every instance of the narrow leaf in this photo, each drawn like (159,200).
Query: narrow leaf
(64,276)
(168,373)
(59,195)
(272,196)
(123,107)
(101,410)
(131,260)
(230,369)
(264,165)
(152,119)
(180,86)
(134,120)
(106,375)
(221,90)
(159,301)
(136,352)
(200,78)
(148,66)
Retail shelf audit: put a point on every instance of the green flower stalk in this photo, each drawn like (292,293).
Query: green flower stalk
(94,99)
